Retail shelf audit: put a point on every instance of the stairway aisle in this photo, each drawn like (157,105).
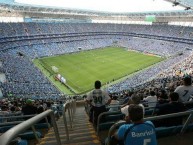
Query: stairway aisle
(82,132)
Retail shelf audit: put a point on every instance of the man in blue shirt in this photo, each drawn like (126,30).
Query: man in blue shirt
(138,132)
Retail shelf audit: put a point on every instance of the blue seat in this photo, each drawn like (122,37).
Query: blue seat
(41,126)
(177,129)
(105,126)
(30,135)
(22,142)
(114,117)
(5,128)
(173,130)
(165,131)
(149,112)
(190,128)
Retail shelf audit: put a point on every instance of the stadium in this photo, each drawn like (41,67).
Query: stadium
(51,55)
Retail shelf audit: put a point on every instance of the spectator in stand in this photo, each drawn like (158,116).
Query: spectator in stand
(40,109)
(185,91)
(173,106)
(24,78)
(29,108)
(98,99)
(162,98)
(127,97)
(151,100)
(114,105)
(4,113)
(139,131)
(135,99)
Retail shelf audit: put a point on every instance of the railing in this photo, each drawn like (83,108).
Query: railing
(70,107)
(104,114)
(188,120)
(12,133)
(16,118)
(114,106)
(116,113)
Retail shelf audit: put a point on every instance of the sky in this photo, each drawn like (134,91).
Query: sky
(108,5)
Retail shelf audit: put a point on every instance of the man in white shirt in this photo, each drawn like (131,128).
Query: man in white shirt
(185,91)
(98,99)
(135,99)
(151,100)
(114,105)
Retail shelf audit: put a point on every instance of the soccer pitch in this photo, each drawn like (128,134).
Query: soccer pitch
(83,68)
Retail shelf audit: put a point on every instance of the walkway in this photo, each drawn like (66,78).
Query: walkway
(82,132)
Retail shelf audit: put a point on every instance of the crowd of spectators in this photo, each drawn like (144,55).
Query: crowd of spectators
(149,74)
(22,42)
(25,106)
(156,47)
(46,39)
(163,85)
(24,79)
(26,29)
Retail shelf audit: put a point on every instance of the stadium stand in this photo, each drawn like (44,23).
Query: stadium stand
(23,42)
(35,45)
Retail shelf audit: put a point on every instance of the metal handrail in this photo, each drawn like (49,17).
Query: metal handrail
(113,113)
(121,106)
(12,114)
(70,107)
(73,109)
(19,121)
(142,102)
(22,116)
(113,106)
(12,133)
(103,114)
(65,121)
(188,120)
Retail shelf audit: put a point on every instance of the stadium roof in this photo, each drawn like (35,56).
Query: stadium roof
(23,9)
(185,3)
(120,6)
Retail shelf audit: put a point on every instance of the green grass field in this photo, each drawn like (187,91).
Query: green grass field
(107,64)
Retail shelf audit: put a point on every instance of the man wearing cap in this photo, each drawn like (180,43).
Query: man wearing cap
(29,108)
